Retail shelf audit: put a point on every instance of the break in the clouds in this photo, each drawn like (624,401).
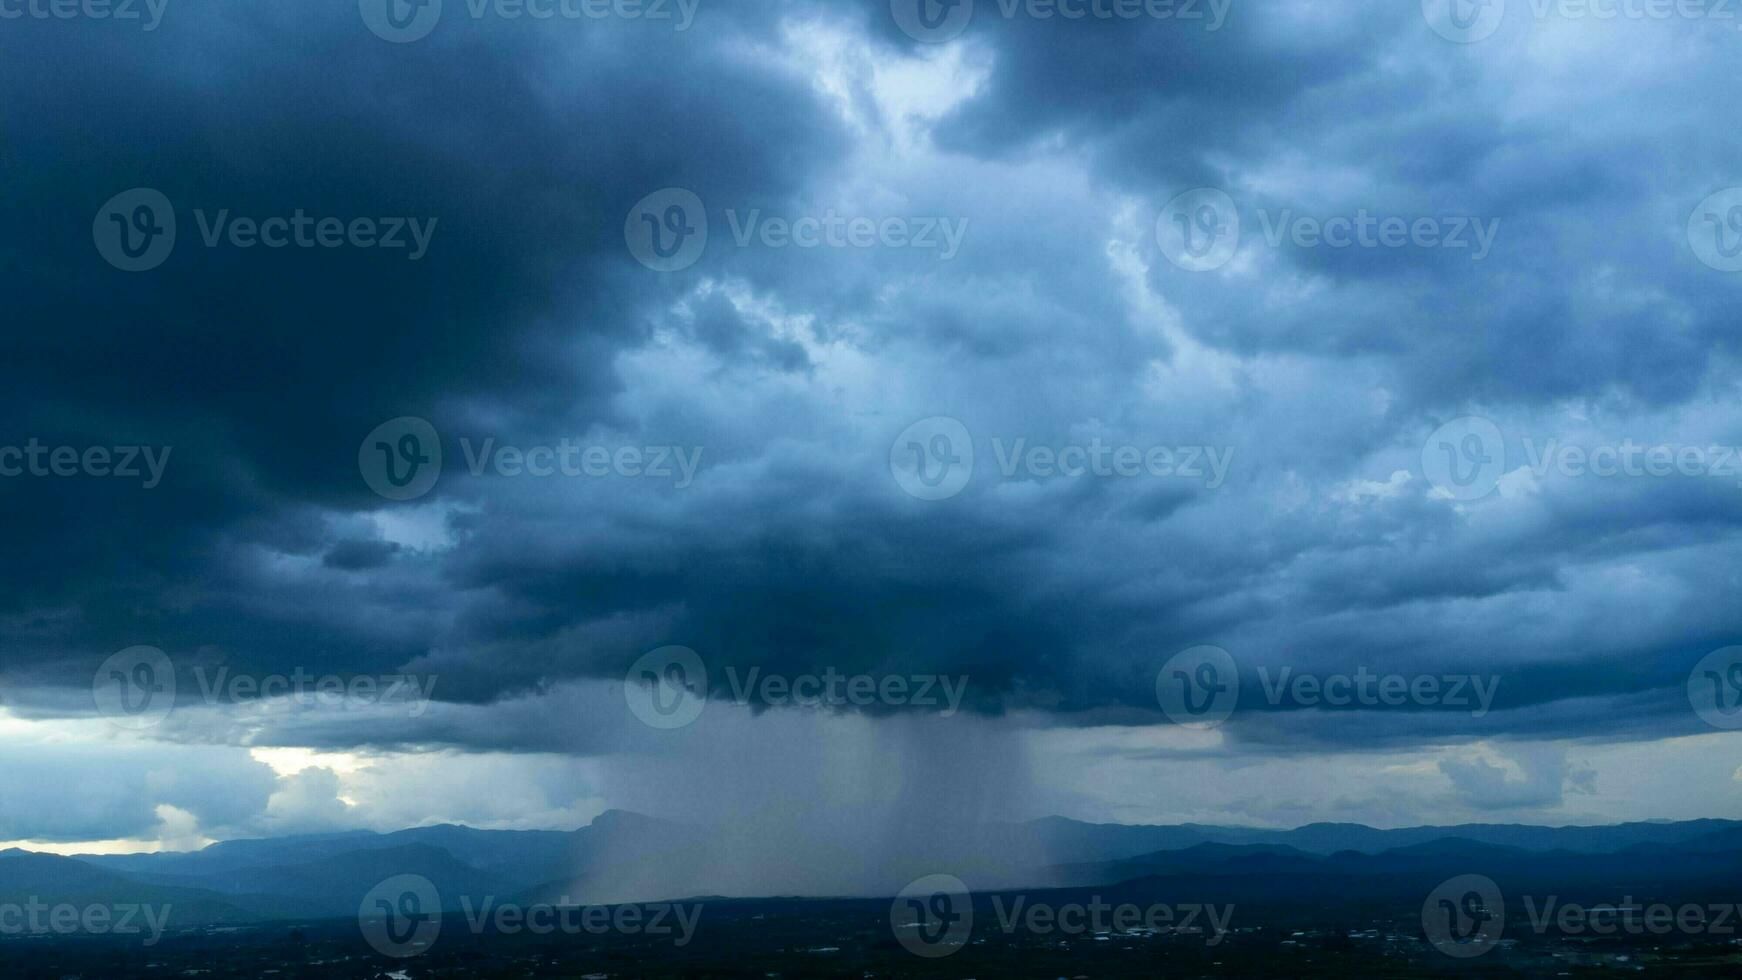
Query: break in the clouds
(694,416)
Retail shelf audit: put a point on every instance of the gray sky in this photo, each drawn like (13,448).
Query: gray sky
(1408,420)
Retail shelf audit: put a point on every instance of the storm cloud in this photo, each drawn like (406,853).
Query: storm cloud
(1264,429)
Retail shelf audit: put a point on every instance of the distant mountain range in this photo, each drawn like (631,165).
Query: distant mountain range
(1070,841)
(623,856)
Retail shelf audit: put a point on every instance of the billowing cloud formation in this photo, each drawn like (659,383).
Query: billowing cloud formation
(1014,272)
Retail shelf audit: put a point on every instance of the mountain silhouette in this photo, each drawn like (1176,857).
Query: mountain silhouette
(622,856)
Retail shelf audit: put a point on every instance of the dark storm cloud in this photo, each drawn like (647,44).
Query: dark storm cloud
(263,368)
(1166,92)
(793,370)
(1324,111)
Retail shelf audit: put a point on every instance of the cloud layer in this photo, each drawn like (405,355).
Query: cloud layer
(1064,319)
